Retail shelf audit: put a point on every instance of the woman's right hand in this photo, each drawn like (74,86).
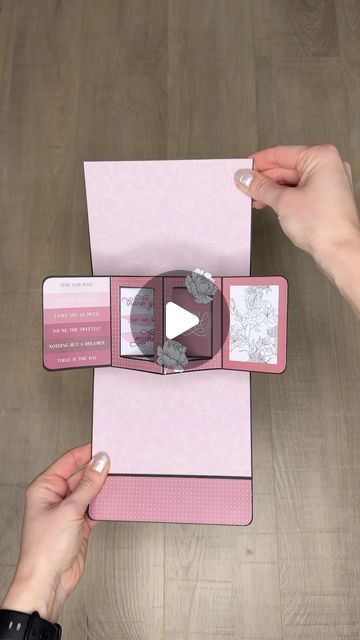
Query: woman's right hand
(310,188)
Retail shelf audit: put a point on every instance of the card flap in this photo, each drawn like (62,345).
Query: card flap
(255,323)
(137,322)
(76,322)
(203,341)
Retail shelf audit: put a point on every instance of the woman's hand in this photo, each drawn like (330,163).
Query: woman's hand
(55,532)
(310,188)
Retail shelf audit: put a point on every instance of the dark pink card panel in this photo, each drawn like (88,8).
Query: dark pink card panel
(209,317)
(174,499)
(117,282)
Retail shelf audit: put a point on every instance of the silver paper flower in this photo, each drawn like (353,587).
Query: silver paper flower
(201,286)
(172,355)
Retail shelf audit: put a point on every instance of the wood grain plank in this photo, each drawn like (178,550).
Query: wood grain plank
(8,23)
(318,610)
(122,108)
(258,601)
(211,91)
(321,632)
(38,118)
(301,27)
(125,563)
(11,506)
(329,552)
(315,499)
(348,21)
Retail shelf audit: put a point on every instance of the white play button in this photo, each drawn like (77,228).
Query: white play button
(178,320)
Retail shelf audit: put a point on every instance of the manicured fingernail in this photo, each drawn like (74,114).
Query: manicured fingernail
(99,461)
(244,177)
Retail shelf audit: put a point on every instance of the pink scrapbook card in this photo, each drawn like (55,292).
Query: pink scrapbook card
(152,217)
(130,322)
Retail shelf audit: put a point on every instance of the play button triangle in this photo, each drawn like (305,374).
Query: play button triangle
(178,320)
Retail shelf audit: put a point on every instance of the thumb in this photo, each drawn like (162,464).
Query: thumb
(91,481)
(259,187)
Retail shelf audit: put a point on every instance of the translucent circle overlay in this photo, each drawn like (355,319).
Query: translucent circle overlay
(134,323)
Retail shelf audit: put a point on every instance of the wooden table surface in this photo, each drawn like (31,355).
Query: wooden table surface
(153,79)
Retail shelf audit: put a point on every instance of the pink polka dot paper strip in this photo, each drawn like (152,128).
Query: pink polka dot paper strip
(174,499)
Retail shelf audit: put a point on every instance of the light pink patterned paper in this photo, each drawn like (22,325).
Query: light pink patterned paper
(152,217)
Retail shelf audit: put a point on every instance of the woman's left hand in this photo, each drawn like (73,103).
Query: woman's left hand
(55,532)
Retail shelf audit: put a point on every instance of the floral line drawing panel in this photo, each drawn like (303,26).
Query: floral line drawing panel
(254,323)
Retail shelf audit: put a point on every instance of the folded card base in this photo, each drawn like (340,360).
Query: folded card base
(200,195)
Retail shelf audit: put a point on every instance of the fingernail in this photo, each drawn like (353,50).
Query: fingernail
(99,461)
(244,177)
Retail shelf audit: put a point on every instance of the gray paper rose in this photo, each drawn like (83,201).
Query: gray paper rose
(172,355)
(201,286)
